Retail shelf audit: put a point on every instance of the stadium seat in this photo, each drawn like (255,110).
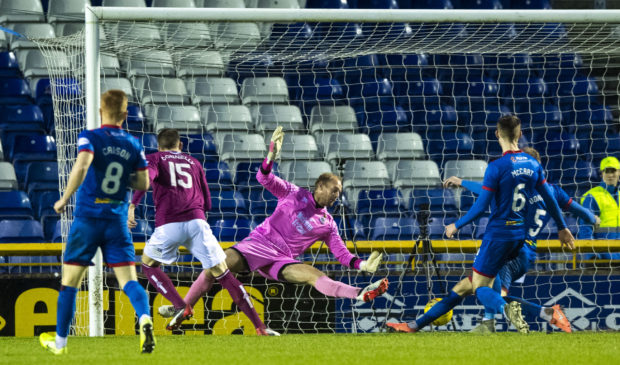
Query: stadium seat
(460,145)
(220,3)
(297,147)
(435,120)
(141,231)
(44,203)
(149,141)
(345,146)
(8,180)
(326,118)
(218,175)
(66,10)
(158,64)
(227,118)
(436,228)
(303,173)
(21,231)
(8,65)
(256,90)
(23,118)
(377,203)
(530,4)
(360,175)
(268,117)
(356,69)
(391,228)
(231,229)
(202,147)
(554,144)
(321,90)
(173,4)
(15,205)
(57,233)
(481,4)
(135,119)
(261,202)
(327,4)
(244,173)
(428,4)
(437,201)
(419,93)
(30,31)
(240,146)
(29,148)
(186,119)
(377,4)
(394,146)
(235,35)
(465,169)
(15,91)
(123,84)
(41,176)
(199,63)
(21,11)
(162,90)
(296,33)
(409,174)
(213,90)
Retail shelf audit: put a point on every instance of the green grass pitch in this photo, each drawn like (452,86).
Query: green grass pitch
(375,349)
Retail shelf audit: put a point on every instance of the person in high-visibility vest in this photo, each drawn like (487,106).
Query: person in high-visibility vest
(604,201)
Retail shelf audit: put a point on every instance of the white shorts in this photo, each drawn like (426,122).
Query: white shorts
(195,235)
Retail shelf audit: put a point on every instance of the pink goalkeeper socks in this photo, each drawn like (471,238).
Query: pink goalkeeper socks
(333,288)
(199,288)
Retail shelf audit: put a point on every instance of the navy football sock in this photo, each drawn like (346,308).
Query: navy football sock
(491,299)
(138,298)
(439,309)
(65,309)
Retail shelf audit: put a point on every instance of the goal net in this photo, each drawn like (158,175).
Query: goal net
(394,107)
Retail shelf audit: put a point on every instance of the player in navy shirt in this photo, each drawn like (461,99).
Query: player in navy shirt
(109,161)
(508,184)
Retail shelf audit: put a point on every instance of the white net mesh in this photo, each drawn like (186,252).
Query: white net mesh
(394,108)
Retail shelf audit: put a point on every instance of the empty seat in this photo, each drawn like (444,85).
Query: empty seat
(156,63)
(391,228)
(224,117)
(261,202)
(8,179)
(437,201)
(185,119)
(35,265)
(123,84)
(241,146)
(201,147)
(21,231)
(21,11)
(360,175)
(244,173)
(15,205)
(297,147)
(127,35)
(44,203)
(338,118)
(66,10)
(8,62)
(198,64)
(231,229)
(41,176)
(303,173)
(345,146)
(28,148)
(377,203)
(227,203)
(465,169)
(173,4)
(408,174)
(30,31)
(268,117)
(15,91)
(256,90)
(213,91)
(394,146)
(218,174)
(163,90)
(35,65)
(229,37)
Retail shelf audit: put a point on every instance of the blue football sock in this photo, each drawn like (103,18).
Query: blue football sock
(527,307)
(65,309)
(439,309)
(491,299)
(138,298)
(489,313)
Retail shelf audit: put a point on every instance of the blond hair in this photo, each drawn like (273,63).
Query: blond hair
(114,105)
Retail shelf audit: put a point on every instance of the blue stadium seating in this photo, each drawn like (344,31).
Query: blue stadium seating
(480,4)
(245,173)
(419,94)
(227,203)
(426,4)
(149,141)
(34,264)
(317,91)
(436,228)
(386,202)
(433,121)
(44,205)
(260,202)
(410,67)
(57,234)
(218,175)
(390,228)
(8,65)
(553,144)
(327,4)
(437,201)
(50,223)
(530,4)
(31,148)
(135,119)
(459,145)
(21,231)
(41,176)
(201,147)
(383,118)
(371,92)
(15,205)
(231,229)
(15,91)
(377,4)
(355,69)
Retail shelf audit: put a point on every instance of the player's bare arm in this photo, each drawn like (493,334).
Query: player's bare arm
(140,180)
(452,182)
(77,176)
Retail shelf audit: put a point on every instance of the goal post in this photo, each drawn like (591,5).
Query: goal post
(440,76)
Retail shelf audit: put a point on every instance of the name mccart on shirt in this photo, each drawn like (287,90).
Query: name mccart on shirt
(522,171)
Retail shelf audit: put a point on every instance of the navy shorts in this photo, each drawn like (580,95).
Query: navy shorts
(87,234)
(517,267)
(495,254)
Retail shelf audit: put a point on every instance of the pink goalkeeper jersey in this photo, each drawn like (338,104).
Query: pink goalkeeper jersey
(180,189)
(297,223)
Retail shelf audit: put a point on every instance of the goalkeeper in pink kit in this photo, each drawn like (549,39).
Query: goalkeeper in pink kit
(299,220)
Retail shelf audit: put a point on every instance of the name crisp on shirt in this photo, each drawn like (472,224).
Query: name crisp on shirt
(522,171)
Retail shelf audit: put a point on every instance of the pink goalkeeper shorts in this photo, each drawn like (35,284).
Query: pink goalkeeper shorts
(264,257)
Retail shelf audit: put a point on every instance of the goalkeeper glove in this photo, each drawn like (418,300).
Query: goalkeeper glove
(372,263)
(276,144)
